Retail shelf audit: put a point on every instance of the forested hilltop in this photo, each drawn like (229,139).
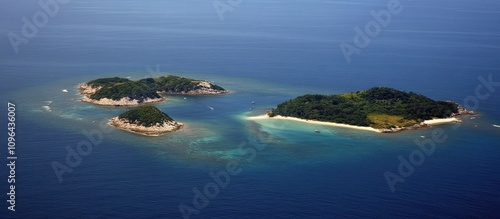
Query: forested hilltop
(379,107)
(145,116)
(123,91)
(148,120)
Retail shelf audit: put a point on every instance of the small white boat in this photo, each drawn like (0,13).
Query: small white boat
(472,117)
(211,108)
(317,131)
(64,90)
(253,102)
(422,136)
(497,126)
(47,108)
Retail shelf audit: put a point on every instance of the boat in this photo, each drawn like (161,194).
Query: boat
(211,108)
(497,126)
(422,136)
(317,131)
(253,102)
(64,90)
(47,108)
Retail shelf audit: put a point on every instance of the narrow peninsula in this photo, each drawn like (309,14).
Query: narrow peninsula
(125,92)
(146,120)
(379,109)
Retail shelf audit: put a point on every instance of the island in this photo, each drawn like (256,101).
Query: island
(379,109)
(118,91)
(146,120)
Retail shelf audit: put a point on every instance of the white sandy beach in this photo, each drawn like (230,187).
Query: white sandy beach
(440,121)
(426,122)
(315,122)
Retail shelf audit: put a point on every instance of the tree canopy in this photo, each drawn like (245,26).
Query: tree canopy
(117,88)
(106,81)
(131,89)
(146,116)
(176,84)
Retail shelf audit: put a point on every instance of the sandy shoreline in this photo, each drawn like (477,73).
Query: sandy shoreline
(441,121)
(425,123)
(315,122)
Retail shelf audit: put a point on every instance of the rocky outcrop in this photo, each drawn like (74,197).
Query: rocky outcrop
(400,129)
(204,88)
(428,123)
(87,90)
(157,129)
(122,102)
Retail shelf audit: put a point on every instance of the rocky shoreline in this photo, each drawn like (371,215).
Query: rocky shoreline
(205,88)
(87,90)
(428,123)
(122,102)
(155,130)
(413,127)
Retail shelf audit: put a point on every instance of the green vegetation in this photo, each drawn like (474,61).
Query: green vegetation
(131,89)
(382,121)
(146,116)
(101,82)
(378,107)
(117,88)
(175,84)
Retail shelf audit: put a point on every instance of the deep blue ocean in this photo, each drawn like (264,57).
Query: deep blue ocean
(263,51)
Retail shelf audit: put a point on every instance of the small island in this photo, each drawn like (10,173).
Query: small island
(117,91)
(379,109)
(146,120)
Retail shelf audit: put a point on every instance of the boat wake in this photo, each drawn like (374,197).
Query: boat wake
(46,107)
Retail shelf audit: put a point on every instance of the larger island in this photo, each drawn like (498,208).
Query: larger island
(379,109)
(117,91)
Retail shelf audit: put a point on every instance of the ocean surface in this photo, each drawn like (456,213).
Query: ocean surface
(266,52)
